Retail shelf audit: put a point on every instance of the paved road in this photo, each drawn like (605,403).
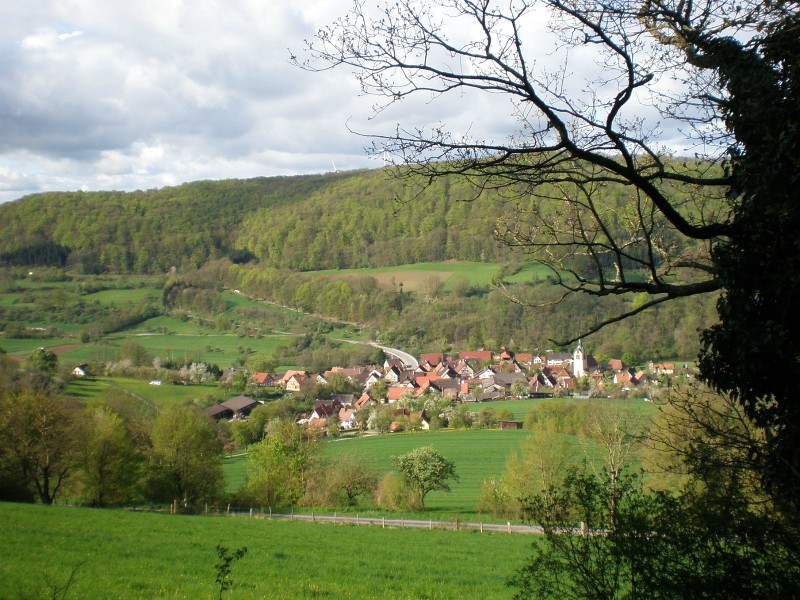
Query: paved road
(408,360)
(400,523)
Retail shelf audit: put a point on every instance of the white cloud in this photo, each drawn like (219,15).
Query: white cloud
(146,93)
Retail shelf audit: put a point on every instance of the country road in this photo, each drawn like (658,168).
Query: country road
(408,360)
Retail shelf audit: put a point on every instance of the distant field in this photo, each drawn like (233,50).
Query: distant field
(213,348)
(158,395)
(129,555)
(520,408)
(15,346)
(122,297)
(478,455)
(417,276)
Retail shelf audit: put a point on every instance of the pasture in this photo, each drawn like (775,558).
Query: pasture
(131,555)
(418,277)
(479,454)
(159,396)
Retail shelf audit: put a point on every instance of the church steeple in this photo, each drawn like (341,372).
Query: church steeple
(579,362)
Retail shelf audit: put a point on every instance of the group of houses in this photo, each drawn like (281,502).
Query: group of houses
(473,376)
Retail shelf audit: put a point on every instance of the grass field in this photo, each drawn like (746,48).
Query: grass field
(159,396)
(415,277)
(479,454)
(128,555)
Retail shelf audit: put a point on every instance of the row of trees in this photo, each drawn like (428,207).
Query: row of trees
(114,452)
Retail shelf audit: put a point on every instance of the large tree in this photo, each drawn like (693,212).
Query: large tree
(596,195)
(109,461)
(38,445)
(185,457)
(425,470)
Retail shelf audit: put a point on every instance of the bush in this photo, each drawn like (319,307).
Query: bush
(393,494)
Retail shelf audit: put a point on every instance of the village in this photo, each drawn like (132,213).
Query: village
(413,392)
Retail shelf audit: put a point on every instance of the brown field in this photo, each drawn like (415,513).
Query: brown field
(413,280)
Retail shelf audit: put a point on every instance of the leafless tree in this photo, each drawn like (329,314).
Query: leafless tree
(576,140)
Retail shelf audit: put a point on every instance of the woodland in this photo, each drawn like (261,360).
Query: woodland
(267,236)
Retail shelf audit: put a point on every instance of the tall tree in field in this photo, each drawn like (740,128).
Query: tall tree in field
(594,193)
(425,470)
(38,442)
(278,466)
(185,457)
(110,465)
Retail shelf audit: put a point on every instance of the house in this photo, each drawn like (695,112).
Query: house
(262,380)
(478,356)
(347,419)
(597,378)
(525,360)
(363,401)
(432,358)
(394,363)
(510,424)
(395,393)
(486,373)
(616,365)
(464,370)
(323,410)
(628,378)
(344,399)
(393,375)
(294,382)
(662,368)
(286,377)
(506,355)
(559,359)
(240,406)
(81,370)
(367,380)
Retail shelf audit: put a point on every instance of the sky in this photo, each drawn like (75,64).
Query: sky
(104,94)
(141,94)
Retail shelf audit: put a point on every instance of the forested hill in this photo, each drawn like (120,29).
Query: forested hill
(341,220)
(338,220)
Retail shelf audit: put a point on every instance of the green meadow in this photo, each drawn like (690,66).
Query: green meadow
(124,555)
(415,276)
(478,455)
(159,396)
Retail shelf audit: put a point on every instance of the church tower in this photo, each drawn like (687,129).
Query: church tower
(579,361)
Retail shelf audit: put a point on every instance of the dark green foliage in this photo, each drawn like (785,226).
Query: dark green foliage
(347,220)
(759,266)
(44,360)
(184,460)
(706,543)
(39,438)
(44,253)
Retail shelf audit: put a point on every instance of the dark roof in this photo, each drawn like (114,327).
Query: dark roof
(217,411)
(240,403)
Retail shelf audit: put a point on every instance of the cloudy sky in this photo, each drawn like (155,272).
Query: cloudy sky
(102,94)
(106,94)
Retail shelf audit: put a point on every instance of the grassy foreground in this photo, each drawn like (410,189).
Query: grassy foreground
(143,555)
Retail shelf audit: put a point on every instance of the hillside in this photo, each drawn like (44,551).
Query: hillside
(340,220)
(357,219)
